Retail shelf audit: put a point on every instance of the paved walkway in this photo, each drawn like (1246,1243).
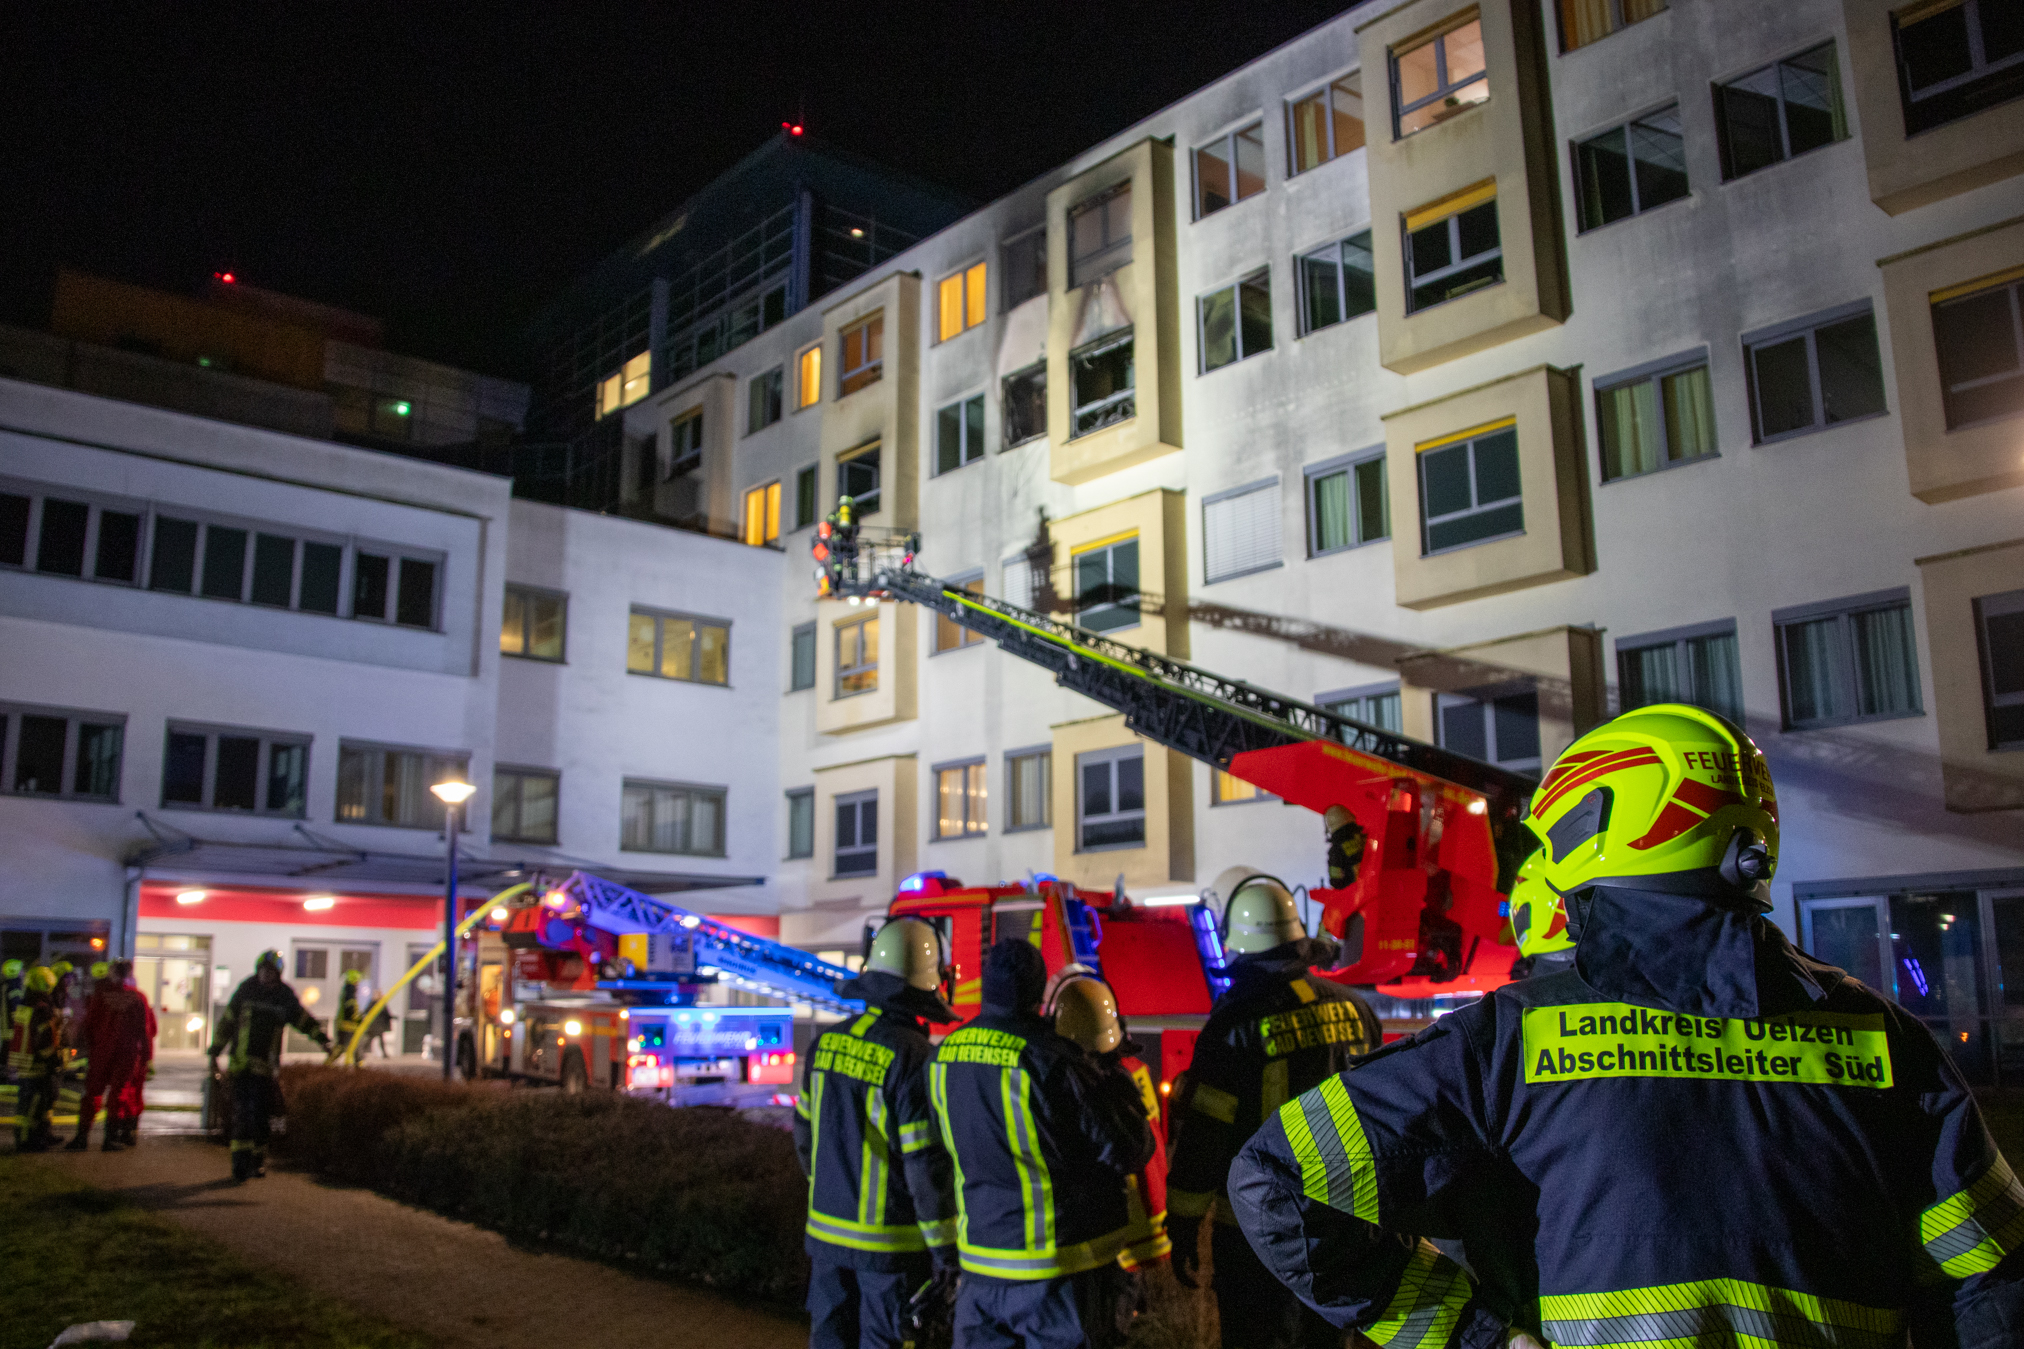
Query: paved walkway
(457,1284)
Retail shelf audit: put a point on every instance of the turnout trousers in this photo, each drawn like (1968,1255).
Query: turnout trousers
(1069,1312)
(1258,1311)
(253,1100)
(851,1308)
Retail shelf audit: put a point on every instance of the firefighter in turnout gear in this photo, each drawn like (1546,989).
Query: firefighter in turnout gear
(35,1058)
(1043,1138)
(1698,1135)
(10,998)
(881,1203)
(1276,1032)
(261,1009)
(347,1012)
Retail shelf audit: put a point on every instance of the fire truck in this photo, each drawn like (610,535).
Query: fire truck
(1424,925)
(590,985)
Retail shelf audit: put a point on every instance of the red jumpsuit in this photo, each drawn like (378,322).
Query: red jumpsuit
(119,1034)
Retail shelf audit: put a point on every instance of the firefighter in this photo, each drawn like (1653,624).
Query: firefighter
(118,1037)
(1043,1140)
(1346,841)
(1277,1031)
(35,1057)
(1698,1135)
(876,1231)
(347,1013)
(261,1008)
(10,998)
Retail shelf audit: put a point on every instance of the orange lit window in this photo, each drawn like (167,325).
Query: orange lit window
(626,387)
(863,355)
(762,515)
(959,302)
(808,391)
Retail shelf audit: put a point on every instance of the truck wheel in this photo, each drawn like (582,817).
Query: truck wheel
(574,1078)
(467,1058)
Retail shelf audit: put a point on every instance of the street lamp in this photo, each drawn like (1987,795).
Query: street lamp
(453,796)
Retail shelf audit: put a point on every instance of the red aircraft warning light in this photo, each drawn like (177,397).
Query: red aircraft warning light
(791,128)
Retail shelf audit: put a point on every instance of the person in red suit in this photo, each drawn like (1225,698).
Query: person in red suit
(119,1030)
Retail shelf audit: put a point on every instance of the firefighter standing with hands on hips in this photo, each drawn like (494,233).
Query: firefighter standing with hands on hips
(1699,1135)
(881,1203)
(1278,1030)
(1043,1139)
(261,1008)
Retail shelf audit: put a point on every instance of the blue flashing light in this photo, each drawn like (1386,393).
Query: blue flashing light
(1911,964)
(919,881)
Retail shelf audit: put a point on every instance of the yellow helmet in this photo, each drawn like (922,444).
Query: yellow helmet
(1085,1011)
(1538,916)
(100,968)
(41,979)
(910,949)
(353,976)
(1661,789)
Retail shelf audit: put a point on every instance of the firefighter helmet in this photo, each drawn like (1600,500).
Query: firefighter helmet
(910,949)
(353,976)
(1085,1011)
(268,958)
(11,970)
(100,969)
(1259,914)
(1662,789)
(41,979)
(1538,916)
(61,968)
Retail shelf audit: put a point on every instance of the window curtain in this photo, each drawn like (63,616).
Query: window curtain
(1886,662)
(1583,21)
(1718,676)
(1690,415)
(1331,511)
(1652,675)
(1630,429)
(1814,657)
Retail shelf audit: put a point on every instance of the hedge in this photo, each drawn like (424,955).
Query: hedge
(700,1194)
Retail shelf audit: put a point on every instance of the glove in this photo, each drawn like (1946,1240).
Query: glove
(947,1266)
(1186,1235)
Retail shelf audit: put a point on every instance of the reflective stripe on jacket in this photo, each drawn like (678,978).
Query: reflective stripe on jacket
(1043,1139)
(1277,1032)
(1620,1175)
(34,1040)
(878,1179)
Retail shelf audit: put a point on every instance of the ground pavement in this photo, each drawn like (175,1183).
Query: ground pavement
(457,1284)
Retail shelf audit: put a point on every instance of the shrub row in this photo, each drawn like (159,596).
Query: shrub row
(701,1193)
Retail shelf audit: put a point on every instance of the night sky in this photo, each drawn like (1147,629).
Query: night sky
(450,168)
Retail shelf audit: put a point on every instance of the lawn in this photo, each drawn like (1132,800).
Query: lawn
(71,1253)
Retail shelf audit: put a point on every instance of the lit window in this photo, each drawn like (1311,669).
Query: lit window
(1654,419)
(857,477)
(1979,330)
(1336,283)
(1452,248)
(950,635)
(862,363)
(1848,660)
(1236,321)
(1469,488)
(1499,727)
(524,804)
(670,818)
(1230,790)
(857,655)
(678,646)
(959,434)
(1438,78)
(763,400)
(1325,124)
(808,382)
(1102,376)
(1029,789)
(2000,620)
(1695,665)
(1956,59)
(762,515)
(857,834)
(253,771)
(1583,21)
(386,784)
(1781,110)
(1107,584)
(1813,373)
(1099,236)
(1630,169)
(534,623)
(1110,803)
(626,387)
(1348,503)
(1229,169)
(959,302)
(959,800)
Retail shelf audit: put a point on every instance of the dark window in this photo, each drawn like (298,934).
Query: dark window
(61,546)
(1980,336)
(1848,660)
(416,607)
(534,625)
(863,355)
(370,575)
(1025,405)
(1469,489)
(238,782)
(1229,169)
(1099,236)
(805,497)
(1023,263)
(1999,628)
(764,399)
(1325,124)
(1111,805)
(1029,789)
(312,962)
(1379,707)
(1956,60)
(14,528)
(273,570)
(857,477)
(1650,421)
(383,784)
(1236,321)
(1102,375)
(1107,586)
(98,749)
(224,563)
(1781,110)
(1631,168)
(959,434)
(1453,254)
(524,804)
(174,564)
(1348,503)
(1583,21)
(1435,79)
(322,564)
(801,822)
(206,769)
(288,779)
(1497,727)
(857,834)
(801,671)
(1696,665)
(1814,374)
(38,759)
(183,768)
(1336,283)
(57,753)
(685,444)
(119,546)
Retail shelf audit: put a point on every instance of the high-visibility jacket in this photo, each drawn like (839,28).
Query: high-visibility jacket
(253,1022)
(347,1011)
(1146,1239)
(1781,1157)
(879,1186)
(1042,1137)
(35,1038)
(1276,1032)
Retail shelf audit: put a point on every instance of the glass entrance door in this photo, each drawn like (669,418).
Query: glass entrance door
(2003,921)
(1851,933)
(1936,943)
(318,971)
(174,974)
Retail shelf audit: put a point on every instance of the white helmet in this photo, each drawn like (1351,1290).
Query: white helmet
(1258,911)
(910,949)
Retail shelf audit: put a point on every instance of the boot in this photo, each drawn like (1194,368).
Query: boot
(115,1140)
(242,1165)
(83,1141)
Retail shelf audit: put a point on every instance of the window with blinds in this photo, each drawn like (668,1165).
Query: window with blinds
(1240,531)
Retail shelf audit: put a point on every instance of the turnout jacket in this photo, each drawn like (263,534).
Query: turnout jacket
(35,1039)
(1698,1135)
(1276,1032)
(253,1022)
(1043,1138)
(879,1187)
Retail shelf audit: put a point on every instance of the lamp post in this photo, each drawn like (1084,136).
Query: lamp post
(453,796)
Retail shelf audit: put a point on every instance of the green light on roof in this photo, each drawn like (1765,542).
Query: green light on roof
(402,409)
